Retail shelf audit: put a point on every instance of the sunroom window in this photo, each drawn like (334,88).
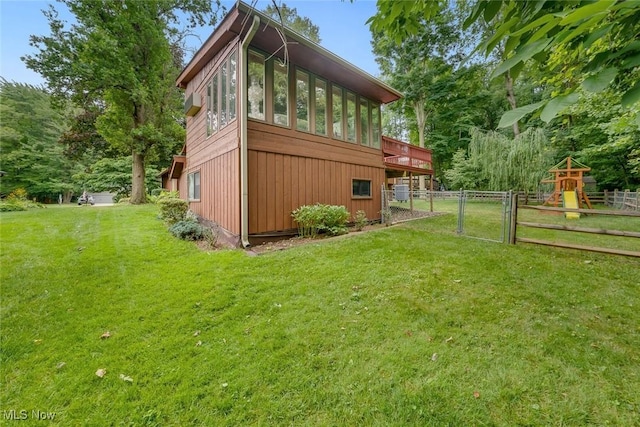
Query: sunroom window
(302,101)
(256,85)
(280,94)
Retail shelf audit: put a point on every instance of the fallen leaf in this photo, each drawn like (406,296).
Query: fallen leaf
(196,333)
(457,280)
(448,339)
(126,378)
(101,372)
(225,385)
(61,365)
(105,335)
(476,394)
(37,341)
(199,343)
(588,262)
(434,357)
(409,333)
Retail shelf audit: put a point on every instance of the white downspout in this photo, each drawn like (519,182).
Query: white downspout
(244,171)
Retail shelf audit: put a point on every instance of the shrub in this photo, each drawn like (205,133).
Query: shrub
(123,200)
(158,196)
(189,230)
(173,210)
(334,219)
(313,219)
(11,206)
(360,220)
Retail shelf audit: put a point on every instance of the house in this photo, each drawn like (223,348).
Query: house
(274,126)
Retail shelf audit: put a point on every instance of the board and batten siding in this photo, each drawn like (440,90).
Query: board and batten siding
(289,169)
(216,157)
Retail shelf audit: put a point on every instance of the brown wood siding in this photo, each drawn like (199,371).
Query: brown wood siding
(288,169)
(217,157)
(220,191)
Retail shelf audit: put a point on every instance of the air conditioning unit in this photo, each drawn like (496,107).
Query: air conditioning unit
(401,192)
(192,104)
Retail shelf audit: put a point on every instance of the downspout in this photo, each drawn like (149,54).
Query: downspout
(244,170)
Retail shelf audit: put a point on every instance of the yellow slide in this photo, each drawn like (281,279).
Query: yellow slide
(570,201)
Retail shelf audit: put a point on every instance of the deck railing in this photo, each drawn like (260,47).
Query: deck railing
(405,155)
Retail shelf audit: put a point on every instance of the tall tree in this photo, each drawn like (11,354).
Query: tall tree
(125,54)
(604,32)
(420,68)
(288,17)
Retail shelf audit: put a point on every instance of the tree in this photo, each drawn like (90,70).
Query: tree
(29,132)
(126,55)
(288,17)
(604,32)
(113,175)
(421,69)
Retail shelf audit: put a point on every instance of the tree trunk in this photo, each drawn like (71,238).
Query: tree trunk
(511,97)
(421,120)
(138,191)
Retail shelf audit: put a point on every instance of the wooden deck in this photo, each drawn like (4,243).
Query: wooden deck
(401,157)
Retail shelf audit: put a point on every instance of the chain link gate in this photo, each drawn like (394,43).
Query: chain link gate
(484,215)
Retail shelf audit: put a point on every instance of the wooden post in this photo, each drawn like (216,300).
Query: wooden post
(431,195)
(513,219)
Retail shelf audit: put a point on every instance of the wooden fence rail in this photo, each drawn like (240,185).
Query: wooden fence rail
(514,223)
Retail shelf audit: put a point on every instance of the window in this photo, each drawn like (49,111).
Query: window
(223,95)
(214,104)
(233,66)
(256,85)
(336,104)
(364,122)
(361,188)
(375,126)
(209,111)
(280,94)
(193,181)
(321,106)
(302,101)
(351,117)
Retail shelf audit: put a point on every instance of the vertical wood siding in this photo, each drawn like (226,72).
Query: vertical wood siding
(288,169)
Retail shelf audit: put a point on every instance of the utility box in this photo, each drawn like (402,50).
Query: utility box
(401,192)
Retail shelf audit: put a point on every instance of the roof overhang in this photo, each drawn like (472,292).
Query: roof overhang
(177,165)
(301,51)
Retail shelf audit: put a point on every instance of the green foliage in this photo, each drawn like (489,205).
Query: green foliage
(173,210)
(506,164)
(162,194)
(188,230)
(18,201)
(31,155)
(126,56)
(463,174)
(313,219)
(114,175)
(288,16)
(360,220)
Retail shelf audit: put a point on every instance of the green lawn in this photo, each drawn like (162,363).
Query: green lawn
(407,325)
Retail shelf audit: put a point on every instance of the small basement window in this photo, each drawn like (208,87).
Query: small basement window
(193,180)
(361,188)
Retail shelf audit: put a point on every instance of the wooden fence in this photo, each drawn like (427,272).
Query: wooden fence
(515,223)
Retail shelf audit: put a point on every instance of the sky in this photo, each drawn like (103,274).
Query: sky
(342,31)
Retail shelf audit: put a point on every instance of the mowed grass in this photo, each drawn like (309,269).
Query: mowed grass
(407,325)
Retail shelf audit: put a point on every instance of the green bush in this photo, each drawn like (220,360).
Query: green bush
(189,230)
(158,196)
(173,210)
(313,219)
(12,206)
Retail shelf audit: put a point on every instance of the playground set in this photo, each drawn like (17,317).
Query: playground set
(568,186)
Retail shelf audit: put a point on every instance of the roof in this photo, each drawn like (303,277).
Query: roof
(301,51)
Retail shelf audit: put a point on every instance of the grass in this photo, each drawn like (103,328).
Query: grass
(407,325)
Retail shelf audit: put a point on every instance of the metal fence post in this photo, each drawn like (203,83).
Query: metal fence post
(460,212)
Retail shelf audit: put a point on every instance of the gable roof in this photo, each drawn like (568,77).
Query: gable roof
(301,51)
